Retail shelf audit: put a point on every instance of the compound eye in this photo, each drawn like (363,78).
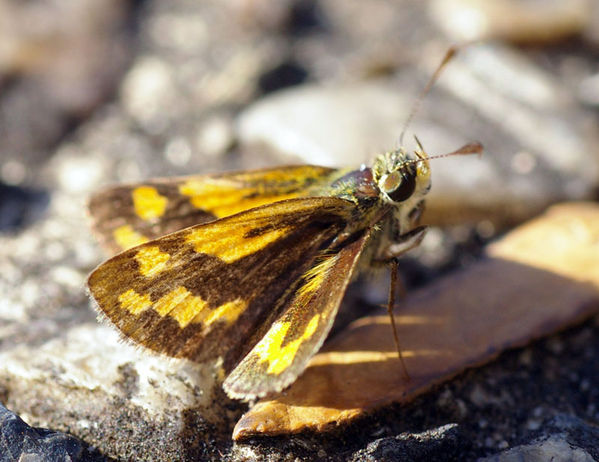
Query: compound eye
(400,185)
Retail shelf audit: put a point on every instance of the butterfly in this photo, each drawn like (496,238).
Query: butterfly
(251,266)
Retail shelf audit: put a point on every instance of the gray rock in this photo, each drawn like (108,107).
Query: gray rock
(565,438)
(86,381)
(443,443)
(553,448)
(20,442)
(20,206)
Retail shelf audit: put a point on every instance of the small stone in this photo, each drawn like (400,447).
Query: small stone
(76,174)
(20,206)
(436,444)
(555,449)
(514,20)
(147,89)
(533,424)
(214,136)
(13,172)
(588,90)
(19,441)
(178,151)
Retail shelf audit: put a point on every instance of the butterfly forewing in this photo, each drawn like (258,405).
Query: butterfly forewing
(128,215)
(202,292)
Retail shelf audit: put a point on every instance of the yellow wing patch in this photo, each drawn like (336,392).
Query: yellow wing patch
(221,198)
(279,357)
(133,302)
(180,305)
(151,260)
(126,237)
(183,307)
(148,203)
(316,275)
(230,248)
(228,312)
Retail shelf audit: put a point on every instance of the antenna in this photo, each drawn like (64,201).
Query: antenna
(471,148)
(451,52)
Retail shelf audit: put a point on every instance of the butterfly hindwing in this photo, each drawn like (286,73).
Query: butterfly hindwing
(202,292)
(128,215)
(284,351)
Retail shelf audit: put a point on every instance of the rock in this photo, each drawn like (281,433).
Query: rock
(441,443)
(104,391)
(513,20)
(20,206)
(324,126)
(553,448)
(565,438)
(20,442)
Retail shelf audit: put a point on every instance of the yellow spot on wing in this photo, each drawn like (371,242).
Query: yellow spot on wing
(228,312)
(222,199)
(133,302)
(233,246)
(279,358)
(224,210)
(188,309)
(148,203)
(174,299)
(183,307)
(151,260)
(209,195)
(126,237)
(315,276)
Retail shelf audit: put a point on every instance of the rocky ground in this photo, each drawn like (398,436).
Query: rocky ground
(111,92)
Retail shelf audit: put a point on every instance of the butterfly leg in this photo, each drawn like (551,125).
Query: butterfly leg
(402,244)
(395,282)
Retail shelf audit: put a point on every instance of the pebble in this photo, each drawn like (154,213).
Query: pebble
(555,448)
(24,443)
(513,20)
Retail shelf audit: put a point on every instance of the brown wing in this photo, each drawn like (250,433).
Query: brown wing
(205,291)
(128,215)
(284,351)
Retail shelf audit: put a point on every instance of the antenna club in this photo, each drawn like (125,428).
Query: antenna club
(468,149)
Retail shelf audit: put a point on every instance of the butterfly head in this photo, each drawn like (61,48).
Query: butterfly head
(401,176)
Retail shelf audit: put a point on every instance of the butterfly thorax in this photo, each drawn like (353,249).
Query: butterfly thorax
(389,196)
